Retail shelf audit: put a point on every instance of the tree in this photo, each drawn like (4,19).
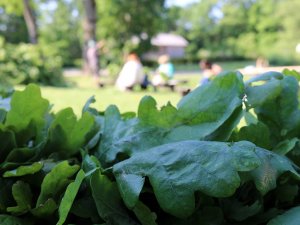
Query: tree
(30,19)
(234,28)
(26,8)
(90,20)
(13,27)
(288,33)
(126,26)
(60,25)
(89,29)
(197,23)
(172,18)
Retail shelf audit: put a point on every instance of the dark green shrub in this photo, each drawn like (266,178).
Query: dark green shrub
(27,63)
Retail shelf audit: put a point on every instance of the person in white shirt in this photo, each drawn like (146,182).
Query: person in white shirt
(131,74)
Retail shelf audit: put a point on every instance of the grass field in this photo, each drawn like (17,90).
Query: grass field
(81,88)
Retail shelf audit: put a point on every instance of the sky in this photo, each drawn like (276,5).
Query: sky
(179,2)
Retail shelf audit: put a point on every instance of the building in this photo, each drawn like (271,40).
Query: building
(166,43)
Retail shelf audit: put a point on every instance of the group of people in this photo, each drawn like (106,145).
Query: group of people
(133,73)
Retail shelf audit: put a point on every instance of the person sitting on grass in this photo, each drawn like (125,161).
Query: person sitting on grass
(131,74)
(209,71)
(164,73)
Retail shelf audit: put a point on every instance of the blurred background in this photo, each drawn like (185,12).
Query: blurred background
(46,41)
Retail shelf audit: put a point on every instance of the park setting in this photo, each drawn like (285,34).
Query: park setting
(149,112)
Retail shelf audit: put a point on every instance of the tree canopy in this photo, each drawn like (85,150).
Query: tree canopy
(129,25)
(241,29)
(223,29)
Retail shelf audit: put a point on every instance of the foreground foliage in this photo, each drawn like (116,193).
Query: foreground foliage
(189,164)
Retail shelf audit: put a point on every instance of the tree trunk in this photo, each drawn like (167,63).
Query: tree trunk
(89,28)
(30,22)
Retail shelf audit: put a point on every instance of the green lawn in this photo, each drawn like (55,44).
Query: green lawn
(81,88)
(77,94)
(76,98)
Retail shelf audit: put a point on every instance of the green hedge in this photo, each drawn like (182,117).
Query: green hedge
(27,63)
(191,164)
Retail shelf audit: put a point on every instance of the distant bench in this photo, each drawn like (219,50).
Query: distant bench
(171,84)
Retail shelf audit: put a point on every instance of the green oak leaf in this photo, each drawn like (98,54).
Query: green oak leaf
(69,196)
(67,134)
(279,108)
(272,166)
(45,209)
(125,136)
(258,95)
(292,73)
(148,113)
(177,170)
(56,181)
(108,201)
(24,170)
(201,115)
(23,197)
(144,214)
(286,146)
(85,207)
(3,113)
(8,143)
(257,133)
(27,114)
(290,217)
(265,77)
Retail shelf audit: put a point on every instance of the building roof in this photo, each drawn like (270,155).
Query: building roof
(167,39)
